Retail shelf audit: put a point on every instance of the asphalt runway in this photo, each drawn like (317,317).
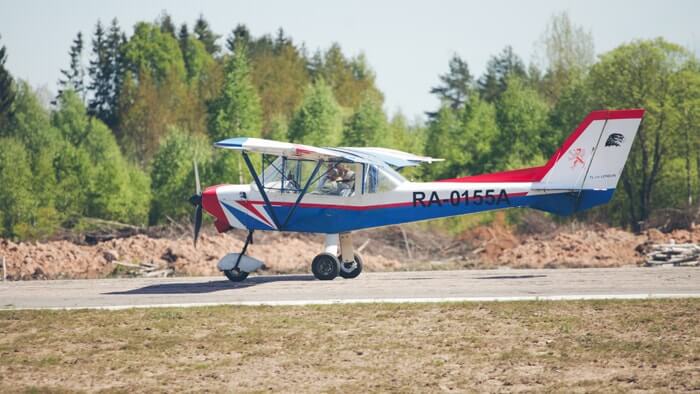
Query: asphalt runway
(422,286)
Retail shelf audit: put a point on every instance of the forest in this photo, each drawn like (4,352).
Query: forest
(134,109)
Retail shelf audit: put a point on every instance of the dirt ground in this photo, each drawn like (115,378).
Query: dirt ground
(410,247)
(601,346)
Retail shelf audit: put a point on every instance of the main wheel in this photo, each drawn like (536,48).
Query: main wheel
(351,270)
(325,266)
(235,275)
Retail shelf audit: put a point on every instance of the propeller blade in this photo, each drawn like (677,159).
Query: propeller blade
(198,186)
(197,223)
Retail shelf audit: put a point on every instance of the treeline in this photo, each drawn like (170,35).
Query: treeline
(132,114)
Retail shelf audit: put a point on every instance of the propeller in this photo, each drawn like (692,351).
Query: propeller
(196,200)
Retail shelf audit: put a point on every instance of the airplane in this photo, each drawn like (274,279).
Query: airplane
(335,191)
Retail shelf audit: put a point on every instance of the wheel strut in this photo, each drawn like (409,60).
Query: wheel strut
(248,240)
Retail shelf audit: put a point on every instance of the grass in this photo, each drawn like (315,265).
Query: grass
(604,346)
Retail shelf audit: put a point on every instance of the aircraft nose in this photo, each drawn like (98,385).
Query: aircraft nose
(211,204)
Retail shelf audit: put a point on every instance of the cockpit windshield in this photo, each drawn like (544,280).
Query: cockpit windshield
(337,178)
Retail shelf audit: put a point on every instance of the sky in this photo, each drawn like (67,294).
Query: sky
(408,43)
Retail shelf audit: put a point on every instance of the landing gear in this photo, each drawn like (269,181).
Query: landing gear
(339,258)
(351,270)
(237,266)
(235,275)
(325,266)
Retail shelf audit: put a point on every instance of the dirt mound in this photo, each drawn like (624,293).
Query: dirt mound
(409,247)
(603,247)
(63,259)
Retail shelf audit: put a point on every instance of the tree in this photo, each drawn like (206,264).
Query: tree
(368,125)
(237,111)
(166,24)
(152,51)
(198,62)
(522,120)
(144,118)
(7,91)
(640,75)
(280,77)
(456,85)
(109,184)
(441,129)
(204,34)
(568,53)
(318,120)
(74,76)
(279,128)
(16,202)
(172,177)
(494,82)
(465,138)
(349,78)
(239,34)
(686,83)
(106,72)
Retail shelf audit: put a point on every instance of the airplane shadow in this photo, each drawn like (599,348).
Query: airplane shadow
(213,286)
(512,277)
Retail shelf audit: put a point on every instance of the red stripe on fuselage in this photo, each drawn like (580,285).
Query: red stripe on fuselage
(251,208)
(366,207)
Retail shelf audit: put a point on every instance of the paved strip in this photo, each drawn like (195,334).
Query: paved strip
(422,286)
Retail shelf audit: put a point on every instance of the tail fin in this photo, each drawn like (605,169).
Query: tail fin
(585,170)
(590,162)
(595,153)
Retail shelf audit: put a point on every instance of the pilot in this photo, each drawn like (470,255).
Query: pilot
(339,180)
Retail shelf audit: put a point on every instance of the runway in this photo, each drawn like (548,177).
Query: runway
(421,286)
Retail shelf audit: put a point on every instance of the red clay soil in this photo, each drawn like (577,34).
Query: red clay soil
(64,259)
(386,249)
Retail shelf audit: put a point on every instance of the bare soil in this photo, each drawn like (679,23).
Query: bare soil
(411,247)
(601,346)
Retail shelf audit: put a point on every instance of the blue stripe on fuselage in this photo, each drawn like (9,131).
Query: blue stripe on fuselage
(316,219)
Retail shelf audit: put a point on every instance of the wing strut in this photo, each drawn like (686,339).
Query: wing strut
(301,195)
(260,188)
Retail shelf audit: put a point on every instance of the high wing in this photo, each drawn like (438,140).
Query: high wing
(391,157)
(285,149)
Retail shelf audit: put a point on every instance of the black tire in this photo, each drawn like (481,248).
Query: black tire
(235,275)
(354,272)
(325,266)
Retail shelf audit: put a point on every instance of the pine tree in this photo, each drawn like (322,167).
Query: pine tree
(100,72)
(167,25)
(74,76)
(239,34)
(204,34)
(7,92)
(456,85)
(116,42)
(106,72)
(183,37)
(499,69)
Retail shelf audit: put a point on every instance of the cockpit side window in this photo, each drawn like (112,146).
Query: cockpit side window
(380,180)
(332,178)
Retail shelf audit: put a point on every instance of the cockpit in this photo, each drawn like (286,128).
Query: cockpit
(331,178)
